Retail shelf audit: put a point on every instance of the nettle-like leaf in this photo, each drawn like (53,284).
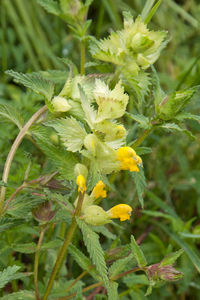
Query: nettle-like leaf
(53,244)
(119,266)
(26,295)
(143,150)
(173,126)
(7,275)
(140,184)
(158,93)
(70,132)
(183,115)
(63,160)
(79,295)
(112,291)
(171,258)
(37,84)
(144,121)
(24,248)
(83,261)
(63,202)
(137,253)
(6,223)
(51,6)
(9,114)
(91,240)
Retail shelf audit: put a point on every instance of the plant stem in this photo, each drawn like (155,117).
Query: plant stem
(142,137)
(70,234)
(14,149)
(36,263)
(82,56)
(12,196)
(101,283)
(76,280)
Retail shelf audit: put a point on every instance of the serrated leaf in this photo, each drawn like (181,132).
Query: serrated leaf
(63,160)
(143,150)
(112,291)
(134,279)
(50,6)
(25,295)
(70,132)
(119,266)
(26,230)
(173,126)
(158,93)
(6,223)
(7,275)
(63,202)
(185,115)
(144,121)
(140,184)
(137,253)
(37,84)
(8,113)
(149,291)
(79,295)
(91,240)
(104,231)
(171,258)
(53,244)
(24,248)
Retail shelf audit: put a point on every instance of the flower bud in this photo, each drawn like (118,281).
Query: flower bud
(60,104)
(81,184)
(169,273)
(42,213)
(81,169)
(95,215)
(87,201)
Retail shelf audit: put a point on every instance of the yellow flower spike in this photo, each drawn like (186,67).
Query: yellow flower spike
(98,190)
(128,158)
(81,184)
(122,211)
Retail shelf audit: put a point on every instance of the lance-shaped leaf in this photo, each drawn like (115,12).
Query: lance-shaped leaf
(9,114)
(37,84)
(91,240)
(51,6)
(112,291)
(53,244)
(158,93)
(140,184)
(24,248)
(28,295)
(173,126)
(79,295)
(70,132)
(144,121)
(183,115)
(119,266)
(171,258)
(137,253)
(7,275)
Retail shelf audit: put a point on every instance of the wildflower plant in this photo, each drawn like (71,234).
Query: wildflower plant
(86,115)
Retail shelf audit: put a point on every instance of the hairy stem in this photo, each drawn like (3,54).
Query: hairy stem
(101,283)
(13,149)
(142,137)
(36,263)
(12,196)
(70,234)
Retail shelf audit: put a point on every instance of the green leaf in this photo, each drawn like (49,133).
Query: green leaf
(144,121)
(171,258)
(140,183)
(137,253)
(152,12)
(112,291)
(119,266)
(173,126)
(25,295)
(8,113)
(50,6)
(70,132)
(79,295)
(185,115)
(91,240)
(24,248)
(158,93)
(37,84)
(149,291)
(188,250)
(63,202)
(53,244)
(63,160)
(6,223)
(143,150)
(190,235)
(7,275)
(134,279)
(104,231)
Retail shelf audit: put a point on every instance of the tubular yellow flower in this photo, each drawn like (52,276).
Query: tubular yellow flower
(81,184)
(122,211)
(128,158)
(98,190)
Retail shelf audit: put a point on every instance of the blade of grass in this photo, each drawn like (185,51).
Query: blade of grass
(152,12)
(146,9)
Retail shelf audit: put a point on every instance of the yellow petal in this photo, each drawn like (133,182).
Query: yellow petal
(121,211)
(81,184)
(98,190)
(128,158)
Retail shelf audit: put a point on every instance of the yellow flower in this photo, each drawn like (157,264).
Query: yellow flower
(122,211)
(128,158)
(98,190)
(81,184)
